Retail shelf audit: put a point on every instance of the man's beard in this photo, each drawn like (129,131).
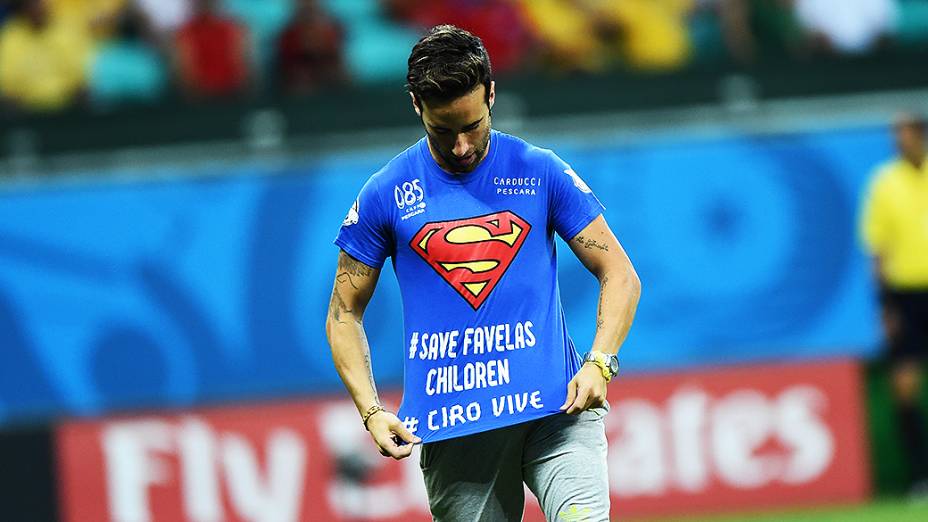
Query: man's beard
(452,162)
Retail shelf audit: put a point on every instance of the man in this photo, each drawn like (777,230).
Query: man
(310,50)
(43,58)
(493,385)
(211,53)
(894,227)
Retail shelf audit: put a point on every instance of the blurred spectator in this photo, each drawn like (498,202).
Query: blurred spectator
(567,34)
(129,66)
(591,34)
(165,16)
(212,53)
(43,57)
(722,28)
(499,23)
(894,227)
(416,12)
(101,16)
(752,30)
(310,50)
(650,34)
(847,27)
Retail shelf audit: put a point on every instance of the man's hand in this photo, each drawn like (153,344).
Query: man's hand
(586,390)
(386,428)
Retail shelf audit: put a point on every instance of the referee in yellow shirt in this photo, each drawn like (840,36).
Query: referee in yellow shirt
(894,227)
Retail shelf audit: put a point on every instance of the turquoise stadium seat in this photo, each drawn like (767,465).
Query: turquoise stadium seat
(376,48)
(912,26)
(348,9)
(378,51)
(265,20)
(706,37)
(126,71)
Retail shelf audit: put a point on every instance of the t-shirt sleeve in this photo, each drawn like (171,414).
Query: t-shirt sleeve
(365,233)
(572,204)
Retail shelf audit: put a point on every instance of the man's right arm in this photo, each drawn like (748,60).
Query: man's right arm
(353,288)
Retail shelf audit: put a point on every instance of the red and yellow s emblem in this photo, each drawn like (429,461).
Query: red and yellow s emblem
(472,254)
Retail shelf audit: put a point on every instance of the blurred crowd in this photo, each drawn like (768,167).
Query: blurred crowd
(58,53)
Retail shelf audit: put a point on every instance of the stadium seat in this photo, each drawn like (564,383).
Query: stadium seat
(912,24)
(265,20)
(346,10)
(126,71)
(378,51)
(707,39)
(376,47)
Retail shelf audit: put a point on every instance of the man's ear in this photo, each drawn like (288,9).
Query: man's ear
(415,105)
(491,99)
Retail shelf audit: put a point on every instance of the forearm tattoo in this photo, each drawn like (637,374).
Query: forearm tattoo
(370,374)
(599,307)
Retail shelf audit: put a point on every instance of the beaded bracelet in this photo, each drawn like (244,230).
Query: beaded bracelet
(370,413)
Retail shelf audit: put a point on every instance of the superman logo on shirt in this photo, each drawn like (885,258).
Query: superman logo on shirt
(472,254)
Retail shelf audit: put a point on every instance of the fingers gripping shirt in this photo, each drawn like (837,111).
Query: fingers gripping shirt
(485,341)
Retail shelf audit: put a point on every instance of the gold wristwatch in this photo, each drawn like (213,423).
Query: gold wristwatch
(607,362)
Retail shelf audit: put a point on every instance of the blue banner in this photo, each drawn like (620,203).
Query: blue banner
(212,284)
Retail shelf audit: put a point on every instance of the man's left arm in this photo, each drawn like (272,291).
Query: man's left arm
(619,289)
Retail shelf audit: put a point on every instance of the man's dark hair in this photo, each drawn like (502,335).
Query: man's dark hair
(447,63)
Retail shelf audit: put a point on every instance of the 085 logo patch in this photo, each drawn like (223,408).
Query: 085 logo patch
(409,198)
(472,254)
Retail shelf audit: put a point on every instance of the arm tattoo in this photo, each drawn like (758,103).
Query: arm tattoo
(599,308)
(590,243)
(370,374)
(351,266)
(348,269)
(345,277)
(338,306)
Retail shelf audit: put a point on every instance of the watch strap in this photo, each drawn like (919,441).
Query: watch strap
(602,360)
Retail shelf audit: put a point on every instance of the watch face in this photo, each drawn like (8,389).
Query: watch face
(613,364)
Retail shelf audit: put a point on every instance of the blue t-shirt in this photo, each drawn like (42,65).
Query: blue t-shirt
(486,344)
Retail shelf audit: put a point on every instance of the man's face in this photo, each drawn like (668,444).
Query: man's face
(459,131)
(910,139)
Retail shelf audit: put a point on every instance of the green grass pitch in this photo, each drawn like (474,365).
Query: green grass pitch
(875,512)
